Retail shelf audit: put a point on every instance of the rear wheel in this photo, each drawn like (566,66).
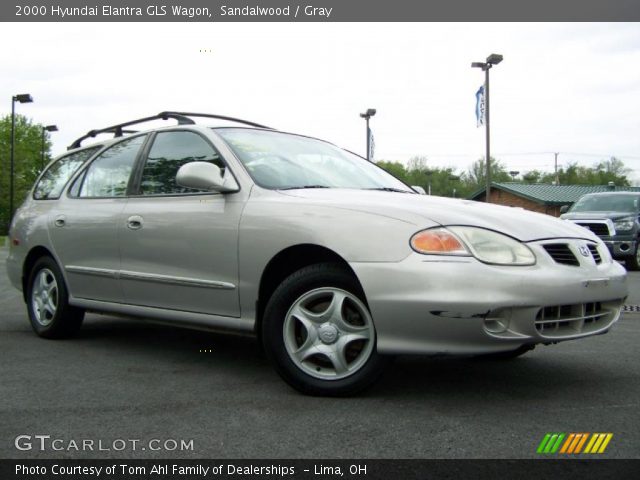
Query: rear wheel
(319,334)
(50,314)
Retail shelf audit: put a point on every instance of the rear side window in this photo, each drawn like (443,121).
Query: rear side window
(169,152)
(58,174)
(108,175)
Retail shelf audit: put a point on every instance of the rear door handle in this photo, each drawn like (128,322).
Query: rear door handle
(135,222)
(60,221)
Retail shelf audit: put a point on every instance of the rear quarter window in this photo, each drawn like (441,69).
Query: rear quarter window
(53,180)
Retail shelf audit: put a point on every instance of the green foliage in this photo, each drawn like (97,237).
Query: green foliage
(612,170)
(394,168)
(27,161)
(476,176)
(445,182)
(439,181)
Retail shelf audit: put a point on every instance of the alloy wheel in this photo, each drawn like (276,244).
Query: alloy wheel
(44,297)
(329,333)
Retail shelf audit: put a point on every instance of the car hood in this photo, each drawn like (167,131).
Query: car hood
(596,215)
(516,222)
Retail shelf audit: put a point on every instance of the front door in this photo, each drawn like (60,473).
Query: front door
(179,247)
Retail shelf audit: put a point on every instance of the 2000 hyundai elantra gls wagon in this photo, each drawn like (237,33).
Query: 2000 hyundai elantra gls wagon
(331,261)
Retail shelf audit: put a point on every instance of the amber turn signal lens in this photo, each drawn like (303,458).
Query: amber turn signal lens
(437,241)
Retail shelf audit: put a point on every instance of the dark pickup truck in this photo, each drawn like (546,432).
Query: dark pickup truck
(613,216)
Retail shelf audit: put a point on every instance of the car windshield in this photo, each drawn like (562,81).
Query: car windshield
(607,203)
(278,160)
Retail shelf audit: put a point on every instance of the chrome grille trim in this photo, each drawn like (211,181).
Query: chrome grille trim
(593,248)
(561,253)
(601,228)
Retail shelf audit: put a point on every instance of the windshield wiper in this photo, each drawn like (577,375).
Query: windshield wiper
(389,189)
(304,186)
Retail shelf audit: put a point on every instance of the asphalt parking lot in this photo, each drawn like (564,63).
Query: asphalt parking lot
(123,379)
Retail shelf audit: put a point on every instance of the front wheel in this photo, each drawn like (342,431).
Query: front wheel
(319,334)
(50,314)
(633,263)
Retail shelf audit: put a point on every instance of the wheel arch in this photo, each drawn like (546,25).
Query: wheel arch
(288,261)
(30,260)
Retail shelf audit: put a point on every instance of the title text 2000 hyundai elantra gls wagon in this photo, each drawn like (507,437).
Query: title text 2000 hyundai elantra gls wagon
(331,261)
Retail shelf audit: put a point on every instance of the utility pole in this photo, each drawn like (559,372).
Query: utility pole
(556,167)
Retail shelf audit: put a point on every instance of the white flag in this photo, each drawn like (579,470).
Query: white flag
(480,111)
(372,145)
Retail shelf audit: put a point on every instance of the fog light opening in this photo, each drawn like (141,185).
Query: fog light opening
(624,247)
(496,325)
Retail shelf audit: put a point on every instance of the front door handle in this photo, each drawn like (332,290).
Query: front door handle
(60,221)
(135,222)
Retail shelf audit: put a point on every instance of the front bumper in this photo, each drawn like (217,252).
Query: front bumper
(620,249)
(458,305)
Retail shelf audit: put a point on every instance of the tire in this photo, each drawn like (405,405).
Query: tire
(633,263)
(317,348)
(509,355)
(48,306)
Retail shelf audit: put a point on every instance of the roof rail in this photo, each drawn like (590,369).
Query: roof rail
(182,118)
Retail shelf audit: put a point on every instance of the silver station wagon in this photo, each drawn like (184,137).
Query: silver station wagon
(333,263)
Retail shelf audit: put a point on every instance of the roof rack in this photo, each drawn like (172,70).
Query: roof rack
(182,118)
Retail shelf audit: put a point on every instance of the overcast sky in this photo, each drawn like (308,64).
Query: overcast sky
(568,88)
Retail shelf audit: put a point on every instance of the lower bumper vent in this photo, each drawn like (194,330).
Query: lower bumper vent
(568,320)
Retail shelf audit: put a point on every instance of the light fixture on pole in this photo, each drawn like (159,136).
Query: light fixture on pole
(493,59)
(367,115)
(514,174)
(21,98)
(48,128)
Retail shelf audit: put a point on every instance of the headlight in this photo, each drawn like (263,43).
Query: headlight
(486,245)
(624,224)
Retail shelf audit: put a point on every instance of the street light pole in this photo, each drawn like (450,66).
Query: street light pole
(48,128)
(367,115)
(22,98)
(493,59)
(487,132)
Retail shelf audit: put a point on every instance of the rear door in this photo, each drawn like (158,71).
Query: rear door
(179,247)
(84,228)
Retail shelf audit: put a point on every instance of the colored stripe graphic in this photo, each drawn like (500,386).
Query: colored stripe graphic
(598,443)
(550,443)
(573,443)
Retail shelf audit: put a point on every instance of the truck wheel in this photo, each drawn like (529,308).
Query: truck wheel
(633,263)
(319,333)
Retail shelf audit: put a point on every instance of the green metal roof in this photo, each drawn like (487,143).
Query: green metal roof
(552,194)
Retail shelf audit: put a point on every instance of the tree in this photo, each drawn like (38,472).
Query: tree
(476,176)
(27,162)
(394,168)
(533,176)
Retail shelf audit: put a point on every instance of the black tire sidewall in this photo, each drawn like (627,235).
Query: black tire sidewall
(632,264)
(67,319)
(292,288)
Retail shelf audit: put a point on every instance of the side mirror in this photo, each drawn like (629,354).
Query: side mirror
(564,209)
(205,176)
(418,189)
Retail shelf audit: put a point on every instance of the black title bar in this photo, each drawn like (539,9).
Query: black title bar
(164,469)
(318,10)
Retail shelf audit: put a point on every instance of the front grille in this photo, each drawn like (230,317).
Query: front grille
(561,253)
(567,320)
(600,229)
(594,253)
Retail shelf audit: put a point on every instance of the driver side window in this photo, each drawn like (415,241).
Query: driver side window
(171,150)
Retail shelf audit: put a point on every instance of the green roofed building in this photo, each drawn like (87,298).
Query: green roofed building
(543,198)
